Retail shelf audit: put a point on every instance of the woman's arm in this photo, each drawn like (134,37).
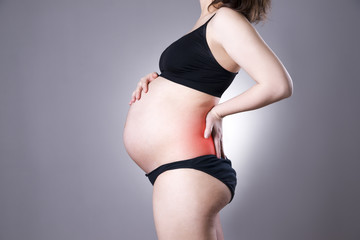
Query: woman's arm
(245,46)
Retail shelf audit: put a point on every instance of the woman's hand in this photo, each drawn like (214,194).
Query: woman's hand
(142,85)
(214,127)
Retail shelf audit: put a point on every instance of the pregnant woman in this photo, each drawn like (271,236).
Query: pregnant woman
(173,129)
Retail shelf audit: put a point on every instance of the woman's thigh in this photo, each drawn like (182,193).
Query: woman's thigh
(185,204)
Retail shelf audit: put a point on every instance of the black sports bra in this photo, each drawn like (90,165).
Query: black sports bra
(189,61)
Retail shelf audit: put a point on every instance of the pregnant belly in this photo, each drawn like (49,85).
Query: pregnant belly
(167,124)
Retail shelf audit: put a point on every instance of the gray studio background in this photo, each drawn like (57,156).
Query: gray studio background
(67,70)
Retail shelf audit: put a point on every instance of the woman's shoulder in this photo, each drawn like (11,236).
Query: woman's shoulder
(228,22)
(230,17)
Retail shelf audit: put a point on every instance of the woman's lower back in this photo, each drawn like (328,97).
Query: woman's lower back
(167,124)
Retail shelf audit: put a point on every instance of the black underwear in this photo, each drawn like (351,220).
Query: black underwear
(219,168)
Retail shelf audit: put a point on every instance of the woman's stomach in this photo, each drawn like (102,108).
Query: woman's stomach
(167,124)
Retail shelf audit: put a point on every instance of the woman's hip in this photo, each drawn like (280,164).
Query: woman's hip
(219,168)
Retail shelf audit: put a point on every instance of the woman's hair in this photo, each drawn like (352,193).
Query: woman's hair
(254,10)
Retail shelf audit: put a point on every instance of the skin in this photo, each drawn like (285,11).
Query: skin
(183,123)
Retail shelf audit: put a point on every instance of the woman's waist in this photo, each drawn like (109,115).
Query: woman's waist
(156,138)
(152,150)
(166,131)
(155,143)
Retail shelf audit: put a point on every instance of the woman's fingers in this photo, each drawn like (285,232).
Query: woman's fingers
(207,132)
(133,97)
(142,86)
(208,127)
(222,149)
(138,90)
(145,86)
(136,95)
(154,75)
(213,127)
(217,147)
(147,80)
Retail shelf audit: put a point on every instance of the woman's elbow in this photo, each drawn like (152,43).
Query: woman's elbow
(283,90)
(286,89)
